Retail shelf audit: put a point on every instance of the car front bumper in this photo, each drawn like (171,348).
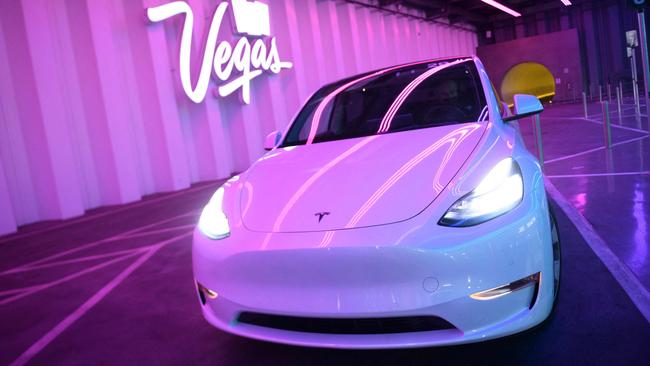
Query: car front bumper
(408,269)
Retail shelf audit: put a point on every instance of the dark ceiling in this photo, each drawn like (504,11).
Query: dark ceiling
(475,11)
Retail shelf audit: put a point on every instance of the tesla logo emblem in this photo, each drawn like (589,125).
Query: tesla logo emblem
(321,215)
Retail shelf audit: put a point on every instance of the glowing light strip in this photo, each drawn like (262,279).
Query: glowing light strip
(313,178)
(436,179)
(502,7)
(327,239)
(496,292)
(401,172)
(397,103)
(450,138)
(222,58)
(162,12)
(315,120)
(321,107)
(484,114)
(566,2)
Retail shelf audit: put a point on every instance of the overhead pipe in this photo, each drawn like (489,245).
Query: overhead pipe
(408,15)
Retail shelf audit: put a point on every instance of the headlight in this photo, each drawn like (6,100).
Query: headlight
(213,222)
(499,192)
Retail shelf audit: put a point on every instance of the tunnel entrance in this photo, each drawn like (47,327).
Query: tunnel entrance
(528,78)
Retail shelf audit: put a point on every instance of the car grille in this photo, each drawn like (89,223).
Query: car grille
(346,325)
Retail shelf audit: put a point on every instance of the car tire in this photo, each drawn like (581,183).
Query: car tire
(557,259)
(557,252)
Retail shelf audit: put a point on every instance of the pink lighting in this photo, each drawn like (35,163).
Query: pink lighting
(250,61)
(386,121)
(103,108)
(566,2)
(503,7)
(309,182)
(454,139)
(321,107)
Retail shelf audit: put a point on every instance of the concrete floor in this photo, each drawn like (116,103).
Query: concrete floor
(609,187)
(115,286)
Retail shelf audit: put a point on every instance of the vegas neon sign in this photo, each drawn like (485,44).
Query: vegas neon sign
(244,60)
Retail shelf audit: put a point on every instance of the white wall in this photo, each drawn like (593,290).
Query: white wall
(92,111)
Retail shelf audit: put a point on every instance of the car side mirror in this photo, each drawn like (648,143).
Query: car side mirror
(272,140)
(525,106)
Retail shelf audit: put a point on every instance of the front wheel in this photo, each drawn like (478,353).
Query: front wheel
(557,254)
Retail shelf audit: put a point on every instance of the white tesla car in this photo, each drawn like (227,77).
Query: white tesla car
(399,209)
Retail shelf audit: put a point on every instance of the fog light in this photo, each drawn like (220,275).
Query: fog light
(205,292)
(494,293)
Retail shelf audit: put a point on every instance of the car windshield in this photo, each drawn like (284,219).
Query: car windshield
(390,100)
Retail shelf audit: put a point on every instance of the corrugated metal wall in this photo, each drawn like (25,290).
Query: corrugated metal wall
(92,111)
(601,29)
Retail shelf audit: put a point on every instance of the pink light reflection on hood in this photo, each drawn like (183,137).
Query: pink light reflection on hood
(453,138)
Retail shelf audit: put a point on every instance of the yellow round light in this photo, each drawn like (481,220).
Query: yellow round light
(528,78)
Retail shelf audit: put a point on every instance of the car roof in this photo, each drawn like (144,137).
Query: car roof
(416,63)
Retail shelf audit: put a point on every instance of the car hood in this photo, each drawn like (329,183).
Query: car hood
(356,182)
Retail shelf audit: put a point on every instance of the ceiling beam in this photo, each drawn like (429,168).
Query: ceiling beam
(383,3)
(395,10)
(438,9)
